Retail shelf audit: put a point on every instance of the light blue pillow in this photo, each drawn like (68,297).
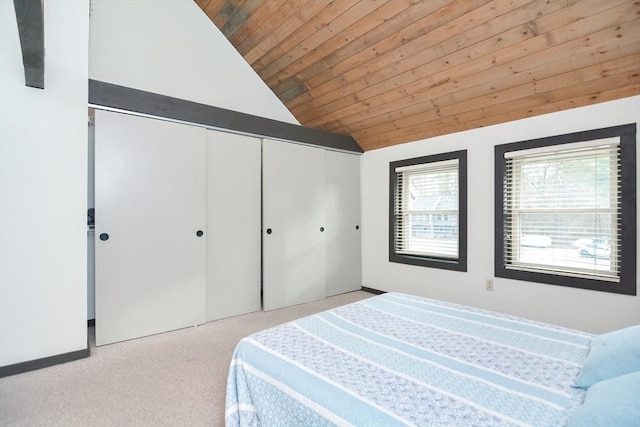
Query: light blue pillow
(613,354)
(613,402)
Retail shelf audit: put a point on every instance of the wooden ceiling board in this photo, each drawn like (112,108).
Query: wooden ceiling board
(386,52)
(392,71)
(502,101)
(225,12)
(334,35)
(521,94)
(449,55)
(305,10)
(496,106)
(334,52)
(261,14)
(202,4)
(298,43)
(540,61)
(408,71)
(533,105)
(238,18)
(259,30)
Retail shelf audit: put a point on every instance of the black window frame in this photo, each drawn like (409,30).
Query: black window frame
(459,264)
(627,283)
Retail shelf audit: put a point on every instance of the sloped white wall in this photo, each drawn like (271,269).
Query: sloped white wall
(581,309)
(171,47)
(43,189)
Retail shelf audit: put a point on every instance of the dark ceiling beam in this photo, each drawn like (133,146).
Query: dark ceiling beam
(30,16)
(103,94)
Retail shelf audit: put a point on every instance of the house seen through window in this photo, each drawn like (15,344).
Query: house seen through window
(428,211)
(564,213)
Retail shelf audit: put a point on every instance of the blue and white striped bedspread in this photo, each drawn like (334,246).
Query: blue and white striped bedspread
(397,359)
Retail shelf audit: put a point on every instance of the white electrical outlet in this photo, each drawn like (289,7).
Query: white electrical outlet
(489,284)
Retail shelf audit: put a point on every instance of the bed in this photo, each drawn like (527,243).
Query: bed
(398,359)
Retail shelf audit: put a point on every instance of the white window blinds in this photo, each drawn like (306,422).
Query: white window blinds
(426,209)
(562,209)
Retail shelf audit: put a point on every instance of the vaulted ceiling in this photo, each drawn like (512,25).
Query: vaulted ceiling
(389,72)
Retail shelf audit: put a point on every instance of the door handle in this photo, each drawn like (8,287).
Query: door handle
(104,237)
(199,233)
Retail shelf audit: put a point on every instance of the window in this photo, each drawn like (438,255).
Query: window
(566,210)
(428,211)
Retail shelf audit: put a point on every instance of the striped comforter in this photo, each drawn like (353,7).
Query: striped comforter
(397,359)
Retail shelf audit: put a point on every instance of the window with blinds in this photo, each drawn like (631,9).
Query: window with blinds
(425,213)
(563,213)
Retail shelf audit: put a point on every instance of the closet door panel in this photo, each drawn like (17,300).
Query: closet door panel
(343,223)
(149,204)
(293,216)
(233,224)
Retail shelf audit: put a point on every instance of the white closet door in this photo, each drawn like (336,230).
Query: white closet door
(343,223)
(233,224)
(293,217)
(150,207)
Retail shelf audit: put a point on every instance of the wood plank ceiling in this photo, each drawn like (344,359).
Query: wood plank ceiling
(389,72)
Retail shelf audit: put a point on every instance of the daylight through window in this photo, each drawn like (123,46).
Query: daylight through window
(565,210)
(562,209)
(426,212)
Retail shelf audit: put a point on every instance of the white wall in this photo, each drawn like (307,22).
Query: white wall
(43,189)
(172,48)
(581,309)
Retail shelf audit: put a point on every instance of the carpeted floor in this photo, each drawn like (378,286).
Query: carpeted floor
(172,379)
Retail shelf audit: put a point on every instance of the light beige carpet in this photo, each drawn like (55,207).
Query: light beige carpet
(172,379)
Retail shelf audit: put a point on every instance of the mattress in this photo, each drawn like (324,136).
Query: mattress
(398,359)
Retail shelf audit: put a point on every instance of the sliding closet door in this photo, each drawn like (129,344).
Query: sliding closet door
(293,224)
(233,224)
(343,223)
(150,226)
